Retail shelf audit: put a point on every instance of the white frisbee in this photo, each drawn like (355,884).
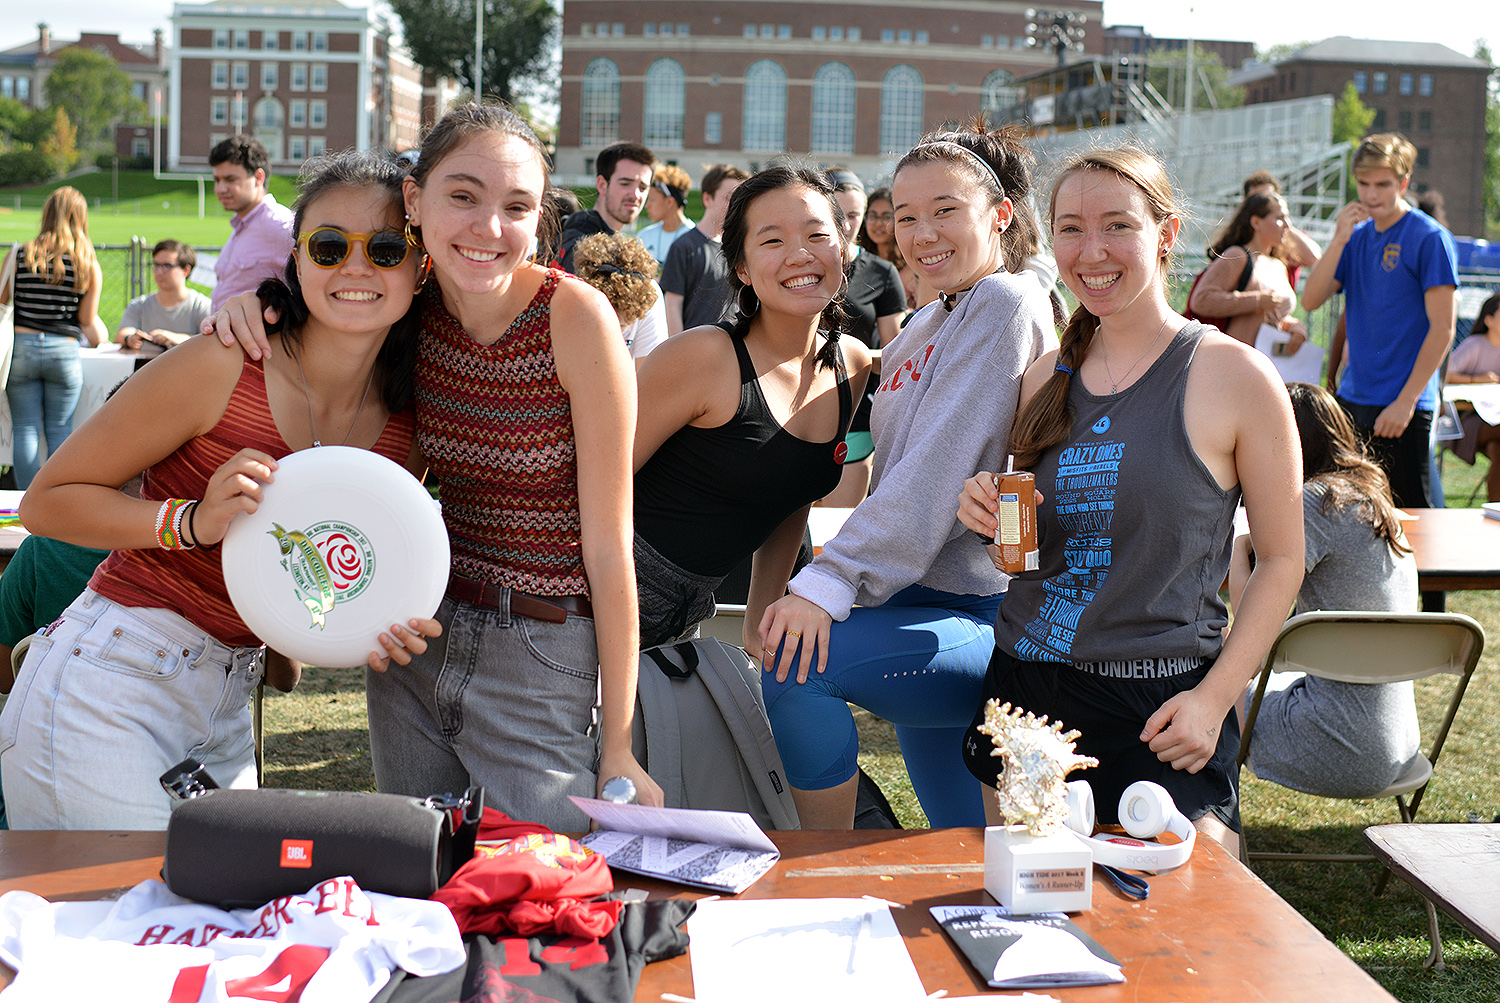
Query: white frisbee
(345,544)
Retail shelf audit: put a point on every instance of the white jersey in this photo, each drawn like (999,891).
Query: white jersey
(335,944)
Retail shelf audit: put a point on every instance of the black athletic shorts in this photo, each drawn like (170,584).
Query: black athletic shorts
(1110,713)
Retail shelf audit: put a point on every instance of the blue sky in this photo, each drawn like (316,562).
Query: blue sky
(1267,22)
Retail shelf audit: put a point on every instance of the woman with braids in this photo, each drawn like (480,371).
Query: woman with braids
(1144,432)
(1253,238)
(1339,740)
(524,403)
(152,665)
(742,429)
(915,648)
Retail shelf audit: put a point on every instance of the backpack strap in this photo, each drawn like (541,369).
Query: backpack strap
(1246,273)
(734,683)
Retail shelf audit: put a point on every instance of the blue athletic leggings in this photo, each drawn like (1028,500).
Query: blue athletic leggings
(919,662)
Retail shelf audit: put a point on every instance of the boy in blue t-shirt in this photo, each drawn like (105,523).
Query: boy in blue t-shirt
(1399,273)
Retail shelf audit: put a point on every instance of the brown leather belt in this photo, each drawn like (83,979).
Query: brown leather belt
(552,609)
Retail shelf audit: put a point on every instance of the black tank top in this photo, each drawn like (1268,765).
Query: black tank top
(709,497)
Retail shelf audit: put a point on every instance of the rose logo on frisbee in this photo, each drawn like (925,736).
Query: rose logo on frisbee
(330,563)
(309,551)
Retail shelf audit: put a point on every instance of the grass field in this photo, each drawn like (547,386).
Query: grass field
(317,738)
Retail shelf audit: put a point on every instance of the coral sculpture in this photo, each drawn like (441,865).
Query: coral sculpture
(1038,758)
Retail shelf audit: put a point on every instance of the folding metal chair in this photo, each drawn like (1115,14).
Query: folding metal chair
(1353,647)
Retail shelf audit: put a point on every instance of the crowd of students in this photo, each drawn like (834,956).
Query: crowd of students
(507,379)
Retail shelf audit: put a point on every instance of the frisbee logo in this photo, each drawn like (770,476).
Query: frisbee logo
(330,562)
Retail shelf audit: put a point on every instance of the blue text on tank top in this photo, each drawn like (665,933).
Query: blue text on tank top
(1087,476)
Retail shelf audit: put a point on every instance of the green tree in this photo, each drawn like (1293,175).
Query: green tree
(1491,192)
(96,93)
(13,116)
(1168,74)
(61,145)
(518,43)
(1351,123)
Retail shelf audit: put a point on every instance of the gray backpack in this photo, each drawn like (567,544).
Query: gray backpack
(701,732)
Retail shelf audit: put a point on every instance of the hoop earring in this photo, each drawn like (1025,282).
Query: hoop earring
(750,311)
(413,237)
(424,272)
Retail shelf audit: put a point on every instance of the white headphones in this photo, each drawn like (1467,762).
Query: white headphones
(1146,810)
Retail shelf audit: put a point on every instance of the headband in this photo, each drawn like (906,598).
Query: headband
(985,164)
(839,179)
(672,192)
(610,268)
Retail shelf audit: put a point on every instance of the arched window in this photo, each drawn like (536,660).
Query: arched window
(900,109)
(665,98)
(599,123)
(999,91)
(833,109)
(268,114)
(765,107)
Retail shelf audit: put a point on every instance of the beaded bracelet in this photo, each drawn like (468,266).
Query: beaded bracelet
(169,524)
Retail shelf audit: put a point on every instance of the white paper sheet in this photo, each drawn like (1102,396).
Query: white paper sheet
(1485,397)
(1305,366)
(751,951)
(727,828)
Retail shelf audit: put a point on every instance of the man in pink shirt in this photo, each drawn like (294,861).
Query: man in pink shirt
(261,240)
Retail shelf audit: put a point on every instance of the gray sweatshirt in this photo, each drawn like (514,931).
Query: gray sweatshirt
(949,385)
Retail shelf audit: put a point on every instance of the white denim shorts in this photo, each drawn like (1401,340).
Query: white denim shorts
(108,698)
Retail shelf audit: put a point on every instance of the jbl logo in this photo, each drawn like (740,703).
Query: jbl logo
(296,852)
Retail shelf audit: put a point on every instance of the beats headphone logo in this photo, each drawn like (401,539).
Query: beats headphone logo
(1146,811)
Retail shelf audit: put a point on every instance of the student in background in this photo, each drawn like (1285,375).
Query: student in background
(1398,270)
(619,267)
(694,276)
(260,240)
(56,294)
(173,313)
(665,203)
(1340,740)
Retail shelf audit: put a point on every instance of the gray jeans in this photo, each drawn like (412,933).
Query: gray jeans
(500,700)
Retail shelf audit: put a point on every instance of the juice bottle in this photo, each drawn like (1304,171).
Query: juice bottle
(1016,533)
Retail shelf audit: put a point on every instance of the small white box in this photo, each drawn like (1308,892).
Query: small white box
(1027,873)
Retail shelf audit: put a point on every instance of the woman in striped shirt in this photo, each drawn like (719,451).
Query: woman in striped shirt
(57,305)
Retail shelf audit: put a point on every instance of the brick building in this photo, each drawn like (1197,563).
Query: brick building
(1429,93)
(24,69)
(301,78)
(855,83)
(1134,40)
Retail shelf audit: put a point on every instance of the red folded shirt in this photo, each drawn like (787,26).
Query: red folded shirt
(534,882)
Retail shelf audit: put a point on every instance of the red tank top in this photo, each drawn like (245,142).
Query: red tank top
(190,583)
(497,428)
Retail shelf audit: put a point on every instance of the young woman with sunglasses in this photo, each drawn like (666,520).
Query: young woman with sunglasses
(152,664)
(525,402)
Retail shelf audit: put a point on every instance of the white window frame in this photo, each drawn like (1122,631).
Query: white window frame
(902,93)
(270,76)
(665,105)
(297,114)
(239,76)
(317,114)
(834,90)
(764,115)
(299,76)
(218,111)
(317,77)
(599,111)
(220,74)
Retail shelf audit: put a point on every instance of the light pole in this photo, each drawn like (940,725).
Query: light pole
(1059,30)
(479,51)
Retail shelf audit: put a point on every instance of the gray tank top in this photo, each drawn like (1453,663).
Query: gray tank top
(1135,535)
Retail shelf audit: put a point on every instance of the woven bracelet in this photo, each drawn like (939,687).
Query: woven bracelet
(169,524)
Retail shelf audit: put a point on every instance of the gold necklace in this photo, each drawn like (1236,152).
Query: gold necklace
(1114,386)
(308,397)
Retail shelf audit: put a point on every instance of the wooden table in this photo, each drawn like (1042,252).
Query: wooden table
(1210,931)
(1455,548)
(1455,865)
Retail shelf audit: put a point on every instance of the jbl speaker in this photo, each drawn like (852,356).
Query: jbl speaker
(243,848)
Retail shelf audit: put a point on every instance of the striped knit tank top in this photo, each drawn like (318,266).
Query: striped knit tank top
(190,583)
(496,427)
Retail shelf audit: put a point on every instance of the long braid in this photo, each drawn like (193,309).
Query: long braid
(1046,419)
